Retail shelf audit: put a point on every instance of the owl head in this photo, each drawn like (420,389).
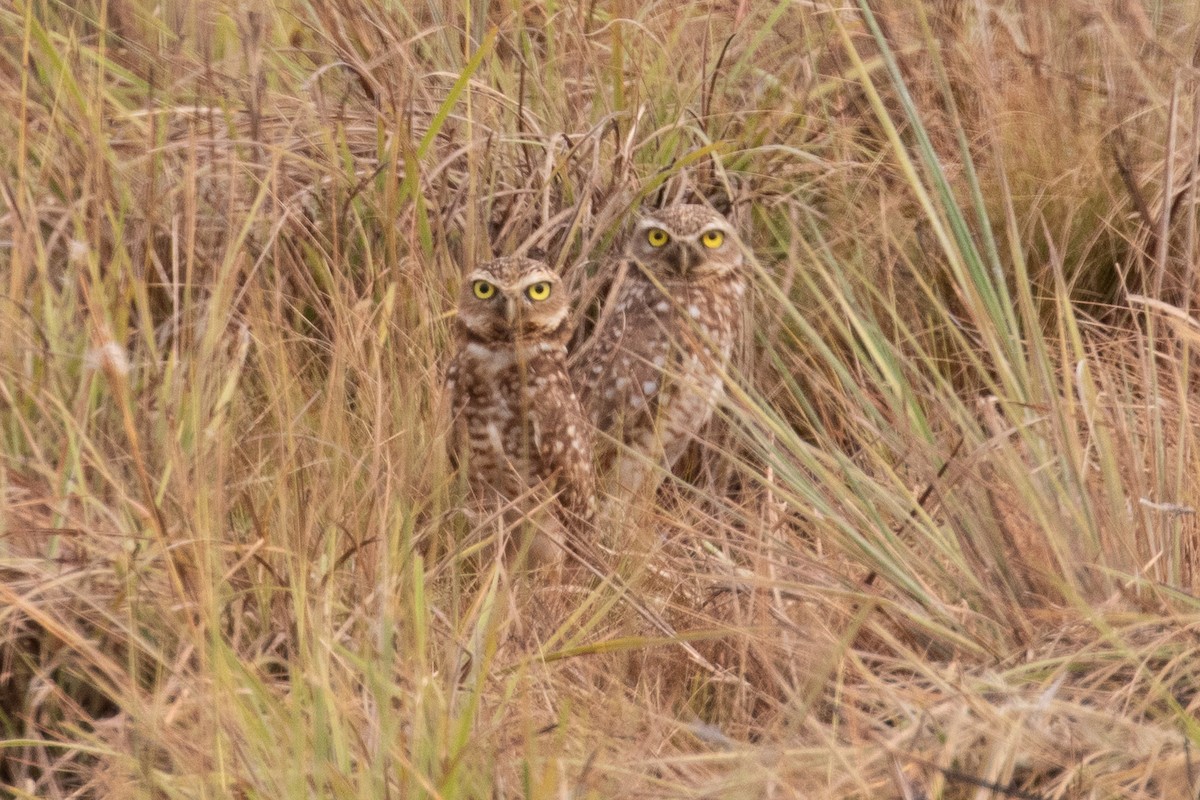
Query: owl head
(514,298)
(686,242)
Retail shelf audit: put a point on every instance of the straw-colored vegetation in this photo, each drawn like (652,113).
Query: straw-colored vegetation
(942,542)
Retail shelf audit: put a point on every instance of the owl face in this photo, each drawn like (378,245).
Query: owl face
(513,298)
(688,242)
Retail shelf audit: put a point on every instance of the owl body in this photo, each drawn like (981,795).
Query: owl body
(653,370)
(518,424)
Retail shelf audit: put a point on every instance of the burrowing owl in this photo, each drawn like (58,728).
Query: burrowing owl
(517,421)
(651,373)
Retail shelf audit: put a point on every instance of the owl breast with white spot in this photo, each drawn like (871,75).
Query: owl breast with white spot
(650,376)
(517,423)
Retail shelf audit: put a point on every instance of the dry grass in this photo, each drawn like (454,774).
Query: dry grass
(941,543)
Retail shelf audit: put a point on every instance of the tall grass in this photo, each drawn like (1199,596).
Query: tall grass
(940,541)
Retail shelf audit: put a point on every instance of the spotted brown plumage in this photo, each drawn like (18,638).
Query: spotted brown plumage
(519,429)
(652,372)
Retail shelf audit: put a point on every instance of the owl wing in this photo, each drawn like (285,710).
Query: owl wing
(563,440)
(639,370)
(616,371)
(456,442)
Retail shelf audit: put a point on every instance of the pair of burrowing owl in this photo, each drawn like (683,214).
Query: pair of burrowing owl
(646,380)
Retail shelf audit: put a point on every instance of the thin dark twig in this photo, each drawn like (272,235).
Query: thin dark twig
(870,579)
(712,80)
(958,776)
(1120,159)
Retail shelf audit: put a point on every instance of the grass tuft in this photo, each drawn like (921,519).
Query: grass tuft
(941,540)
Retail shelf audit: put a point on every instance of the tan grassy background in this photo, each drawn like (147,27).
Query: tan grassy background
(941,543)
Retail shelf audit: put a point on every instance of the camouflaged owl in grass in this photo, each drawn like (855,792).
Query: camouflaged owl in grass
(653,370)
(518,424)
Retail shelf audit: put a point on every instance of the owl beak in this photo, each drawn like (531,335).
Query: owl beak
(689,257)
(510,310)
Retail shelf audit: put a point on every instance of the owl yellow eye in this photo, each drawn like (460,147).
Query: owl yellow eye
(484,290)
(657,237)
(712,239)
(538,291)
